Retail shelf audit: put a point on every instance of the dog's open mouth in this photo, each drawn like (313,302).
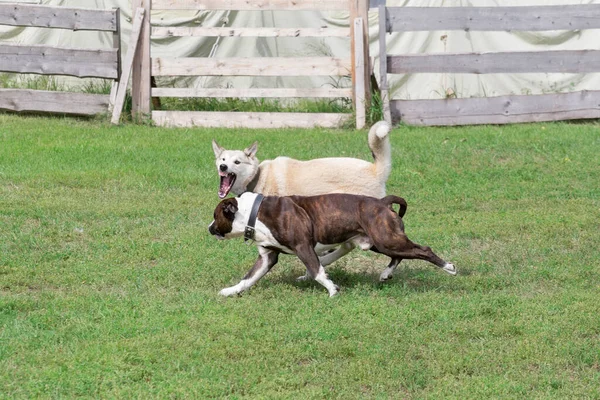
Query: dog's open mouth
(227,181)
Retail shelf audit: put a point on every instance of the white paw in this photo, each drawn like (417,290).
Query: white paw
(335,291)
(230,291)
(303,278)
(450,268)
(385,276)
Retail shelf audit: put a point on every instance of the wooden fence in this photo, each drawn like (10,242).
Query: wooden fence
(146,66)
(49,60)
(493,110)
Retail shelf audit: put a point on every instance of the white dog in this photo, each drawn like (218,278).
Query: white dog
(240,171)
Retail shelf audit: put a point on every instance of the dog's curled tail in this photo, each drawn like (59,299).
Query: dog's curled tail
(379,143)
(391,199)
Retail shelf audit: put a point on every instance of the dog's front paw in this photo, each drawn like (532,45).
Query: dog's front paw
(450,268)
(303,278)
(230,291)
(335,291)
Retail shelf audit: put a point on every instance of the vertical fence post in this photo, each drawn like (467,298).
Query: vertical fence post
(359,88)
(141,71)
(136,28)
(363,12)
(117,45)
(383,86)
(360,9)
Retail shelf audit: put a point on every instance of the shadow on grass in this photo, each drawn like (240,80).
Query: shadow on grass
(405,278)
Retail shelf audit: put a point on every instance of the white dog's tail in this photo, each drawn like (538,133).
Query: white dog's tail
(379,142)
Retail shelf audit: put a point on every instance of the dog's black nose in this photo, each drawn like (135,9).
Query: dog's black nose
(223,167)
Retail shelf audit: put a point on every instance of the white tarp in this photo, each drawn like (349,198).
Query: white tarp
(413,86)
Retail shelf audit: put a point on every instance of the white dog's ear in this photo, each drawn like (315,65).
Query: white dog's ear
(251,151)
(216,148)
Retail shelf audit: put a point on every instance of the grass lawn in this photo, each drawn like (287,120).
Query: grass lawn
(109,279)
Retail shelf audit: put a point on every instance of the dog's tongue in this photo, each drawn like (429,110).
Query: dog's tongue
(226,184)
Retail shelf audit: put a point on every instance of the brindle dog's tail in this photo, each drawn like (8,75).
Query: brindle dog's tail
(389,200)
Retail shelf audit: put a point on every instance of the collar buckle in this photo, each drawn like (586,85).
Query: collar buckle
(249,233)
(249,230)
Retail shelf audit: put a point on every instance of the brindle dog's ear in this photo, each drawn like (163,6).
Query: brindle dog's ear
(230,209)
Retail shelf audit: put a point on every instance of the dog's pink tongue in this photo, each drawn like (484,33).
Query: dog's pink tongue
(226,184)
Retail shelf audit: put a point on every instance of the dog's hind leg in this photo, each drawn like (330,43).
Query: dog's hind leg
(336,254)
(416,251)
(266,260)
(331,257)
(389,271)
(400,247)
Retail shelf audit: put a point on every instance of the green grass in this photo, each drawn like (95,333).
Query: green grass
(109,278)
(259,104)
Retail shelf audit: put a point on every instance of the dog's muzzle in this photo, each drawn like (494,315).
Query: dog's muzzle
(214,232)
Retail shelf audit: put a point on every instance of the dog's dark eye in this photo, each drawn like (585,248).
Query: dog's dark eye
(236,162)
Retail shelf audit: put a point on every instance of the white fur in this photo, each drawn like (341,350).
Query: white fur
(285,176)
(246,284)
(389,271)
(262,234)
(450,268)
(324,280)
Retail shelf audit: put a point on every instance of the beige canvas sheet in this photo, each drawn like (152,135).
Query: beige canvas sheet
(413,86)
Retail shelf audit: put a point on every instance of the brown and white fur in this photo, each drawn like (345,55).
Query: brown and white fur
(240,171)
(308,226)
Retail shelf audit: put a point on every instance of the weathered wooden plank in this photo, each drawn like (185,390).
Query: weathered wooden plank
(140,74)
(248,120)
(116,45)
(360,9)
(383,82)
(359,86)
(376,3)
(249,32)
(128,64)
(77,19)
(249,5)
(520,18)
(498,110)
(271,66)
(253,92)
(24,100)
(48,60)
(573,61)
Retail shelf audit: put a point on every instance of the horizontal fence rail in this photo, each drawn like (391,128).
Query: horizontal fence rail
(24,100)
(248,5)
(252,92)
(521,18)
(36,59)
(499,110)
(492,110)
(249,32)
(565,61)
(52,60)
(76,19)
(234,66)
(248,119)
